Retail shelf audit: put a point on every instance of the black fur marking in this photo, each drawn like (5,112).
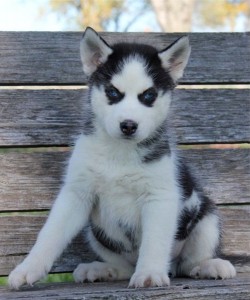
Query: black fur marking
(130,235)
(122,53)
(148,97)
(156,146)
(113,94)
(190,217)
(157,153)
(153,139)
(105,241)
(218,250)
(186,181)
(88,116)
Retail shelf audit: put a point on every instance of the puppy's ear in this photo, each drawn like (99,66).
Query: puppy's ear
(175,57)
(94,51)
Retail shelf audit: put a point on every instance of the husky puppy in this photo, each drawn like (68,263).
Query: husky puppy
(147,217)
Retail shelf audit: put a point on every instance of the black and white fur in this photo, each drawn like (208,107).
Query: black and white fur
(146,215)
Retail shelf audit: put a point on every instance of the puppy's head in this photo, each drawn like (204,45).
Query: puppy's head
(131,84)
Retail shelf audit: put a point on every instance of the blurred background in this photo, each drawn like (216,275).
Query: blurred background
(126,15)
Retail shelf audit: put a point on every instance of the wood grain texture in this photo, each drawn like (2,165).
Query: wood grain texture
(181,288)
(54,117)
(18,234)
(53,57)
(224,174)
(31,181)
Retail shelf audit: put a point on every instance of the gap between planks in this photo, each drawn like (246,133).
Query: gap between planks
(65,148)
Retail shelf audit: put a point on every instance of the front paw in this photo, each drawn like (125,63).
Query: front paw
(149,279)
(26,273)
(95,271)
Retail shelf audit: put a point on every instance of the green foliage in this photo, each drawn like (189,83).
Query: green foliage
(215,13)
(100,13)
(88,12)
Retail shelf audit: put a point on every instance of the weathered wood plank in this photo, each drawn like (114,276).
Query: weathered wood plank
(40,117)
(18,234)
(211,116)
(224,174)
(231,289)
(53,57)
(54,117)
(236,238)
(31,181)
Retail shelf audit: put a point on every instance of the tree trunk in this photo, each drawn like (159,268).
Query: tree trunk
(174,15)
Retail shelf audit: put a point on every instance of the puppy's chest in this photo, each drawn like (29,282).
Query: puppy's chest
(120,189)
(118,182)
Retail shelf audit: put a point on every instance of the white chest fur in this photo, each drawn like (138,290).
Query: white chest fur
(114,173)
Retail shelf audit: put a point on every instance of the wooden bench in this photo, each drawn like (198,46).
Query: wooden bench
(41,89)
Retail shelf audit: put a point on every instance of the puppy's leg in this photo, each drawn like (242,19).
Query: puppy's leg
(68,215)
(158,227)
(197,258)
(114,266)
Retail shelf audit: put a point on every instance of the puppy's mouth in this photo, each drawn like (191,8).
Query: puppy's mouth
(128,137)
(131,136)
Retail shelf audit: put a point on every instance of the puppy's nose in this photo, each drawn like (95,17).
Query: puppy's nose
(128,127)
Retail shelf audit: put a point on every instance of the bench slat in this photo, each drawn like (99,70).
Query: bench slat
(31,181)
(181,288)
(54,117)
(18,234)
(53,57)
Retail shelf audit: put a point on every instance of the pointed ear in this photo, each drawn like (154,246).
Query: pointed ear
(94,51)
(175,57)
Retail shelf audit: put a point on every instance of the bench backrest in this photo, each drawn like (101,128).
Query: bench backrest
(41,89)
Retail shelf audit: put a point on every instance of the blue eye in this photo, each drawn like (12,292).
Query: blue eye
(113,94)
(148,97)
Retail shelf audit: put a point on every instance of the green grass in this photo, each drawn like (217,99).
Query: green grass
(3,280)
(62,277)
(59,277)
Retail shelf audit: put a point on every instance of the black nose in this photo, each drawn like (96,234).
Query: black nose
(128,127)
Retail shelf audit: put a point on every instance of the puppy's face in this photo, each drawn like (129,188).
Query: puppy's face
(130,84)
(130,105)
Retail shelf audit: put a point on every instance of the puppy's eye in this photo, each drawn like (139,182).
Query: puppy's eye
(148,97)
(113,94)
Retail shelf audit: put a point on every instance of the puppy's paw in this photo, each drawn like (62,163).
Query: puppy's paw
(95,271)
(214,268)
(149,279)
(26,273)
